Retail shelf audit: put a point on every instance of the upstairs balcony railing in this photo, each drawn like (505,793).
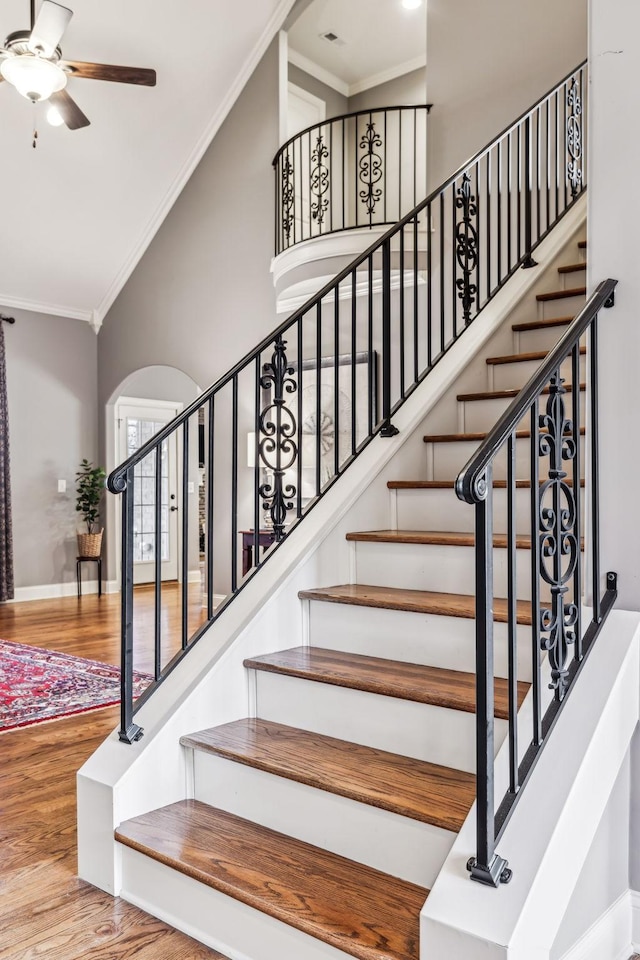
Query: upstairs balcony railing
(363,169)
(281,427)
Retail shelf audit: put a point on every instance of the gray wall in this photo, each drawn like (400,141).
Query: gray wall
(51,382)
(409,89)
(487,62)
(337,104)
(202,295)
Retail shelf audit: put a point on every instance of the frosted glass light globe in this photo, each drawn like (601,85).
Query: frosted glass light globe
(35,78)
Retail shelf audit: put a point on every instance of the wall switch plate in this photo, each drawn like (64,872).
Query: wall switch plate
(62,486)
(192,487)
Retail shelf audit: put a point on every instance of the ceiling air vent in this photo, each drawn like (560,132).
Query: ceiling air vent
(332,37)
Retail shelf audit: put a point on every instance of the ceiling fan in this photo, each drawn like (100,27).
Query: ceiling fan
(31,60)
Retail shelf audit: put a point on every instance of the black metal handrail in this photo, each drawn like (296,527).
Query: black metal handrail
(309,404)
(361,169)
(557,536)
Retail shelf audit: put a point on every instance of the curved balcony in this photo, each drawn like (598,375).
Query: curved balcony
(362,170)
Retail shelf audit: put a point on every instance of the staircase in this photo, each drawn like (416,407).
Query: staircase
(315,828)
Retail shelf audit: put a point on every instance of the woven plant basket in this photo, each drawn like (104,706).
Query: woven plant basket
(90,544)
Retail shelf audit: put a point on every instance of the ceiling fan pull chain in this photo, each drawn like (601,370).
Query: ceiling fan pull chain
(34,143)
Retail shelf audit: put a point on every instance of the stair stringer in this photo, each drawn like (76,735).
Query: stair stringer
(551,830)
(211,686)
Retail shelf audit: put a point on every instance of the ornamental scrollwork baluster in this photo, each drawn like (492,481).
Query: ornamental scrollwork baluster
(288,197)
(277,445)
(466,245)
(574,137)
(558,536)
(319,180)
(370,168)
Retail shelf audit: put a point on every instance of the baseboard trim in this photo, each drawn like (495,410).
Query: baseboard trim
(53,591)
(613,934)
(634,897)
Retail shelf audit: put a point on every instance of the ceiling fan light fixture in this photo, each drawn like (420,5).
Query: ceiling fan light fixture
(33,77)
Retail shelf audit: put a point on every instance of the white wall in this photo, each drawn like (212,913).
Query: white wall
(614,51)
(487,63)
(51,385)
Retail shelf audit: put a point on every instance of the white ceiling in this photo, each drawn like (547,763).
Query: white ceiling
(79,211)
(379,32)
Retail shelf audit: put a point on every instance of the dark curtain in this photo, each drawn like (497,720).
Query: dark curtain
(6,530)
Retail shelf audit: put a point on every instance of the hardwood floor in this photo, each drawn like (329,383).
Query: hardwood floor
(45,910)
(89,626)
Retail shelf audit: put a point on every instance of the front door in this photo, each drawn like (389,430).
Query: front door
(138,421)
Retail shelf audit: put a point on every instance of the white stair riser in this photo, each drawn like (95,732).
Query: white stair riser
(238,931)
(566,307)
(569,281)
(450,458)
(447,569)
(447,642)
(482,415)
(418,730)
(528,341)
(441,510)
(508,375)
(403,847)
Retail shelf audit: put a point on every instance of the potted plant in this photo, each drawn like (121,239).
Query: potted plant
(89,491)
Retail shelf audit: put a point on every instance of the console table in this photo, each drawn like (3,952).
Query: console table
(265,539)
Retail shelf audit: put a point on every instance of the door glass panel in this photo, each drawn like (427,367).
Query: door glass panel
(144,499)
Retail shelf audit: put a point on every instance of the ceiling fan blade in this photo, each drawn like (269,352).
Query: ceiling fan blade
(69,110)
(48,30)
(107,71)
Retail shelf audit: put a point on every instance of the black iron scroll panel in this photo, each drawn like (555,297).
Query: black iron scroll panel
(467,246)
(288,197)
(370,169)
(278,444)
(558,540)
(574,135)
(319,181)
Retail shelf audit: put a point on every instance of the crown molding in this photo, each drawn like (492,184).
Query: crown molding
(352,89)
(386,75)
(192,161)
(319,73)
(53,309)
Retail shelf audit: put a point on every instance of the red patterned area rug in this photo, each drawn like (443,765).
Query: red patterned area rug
(38,685)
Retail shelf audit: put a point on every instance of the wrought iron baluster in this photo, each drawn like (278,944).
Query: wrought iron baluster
(370,168)
(558,545)
(466,246)
(288,195)
(574,137)
(319,181)
(278,447)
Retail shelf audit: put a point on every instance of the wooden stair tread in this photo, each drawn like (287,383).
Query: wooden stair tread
(561,294)
(451,689)
(582,244)
(422,791)
(355,908)
(542,324)
(522,357)
(450,484)
(475,437)
(506,394)
(573,267)
(413,601)
(432,537)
